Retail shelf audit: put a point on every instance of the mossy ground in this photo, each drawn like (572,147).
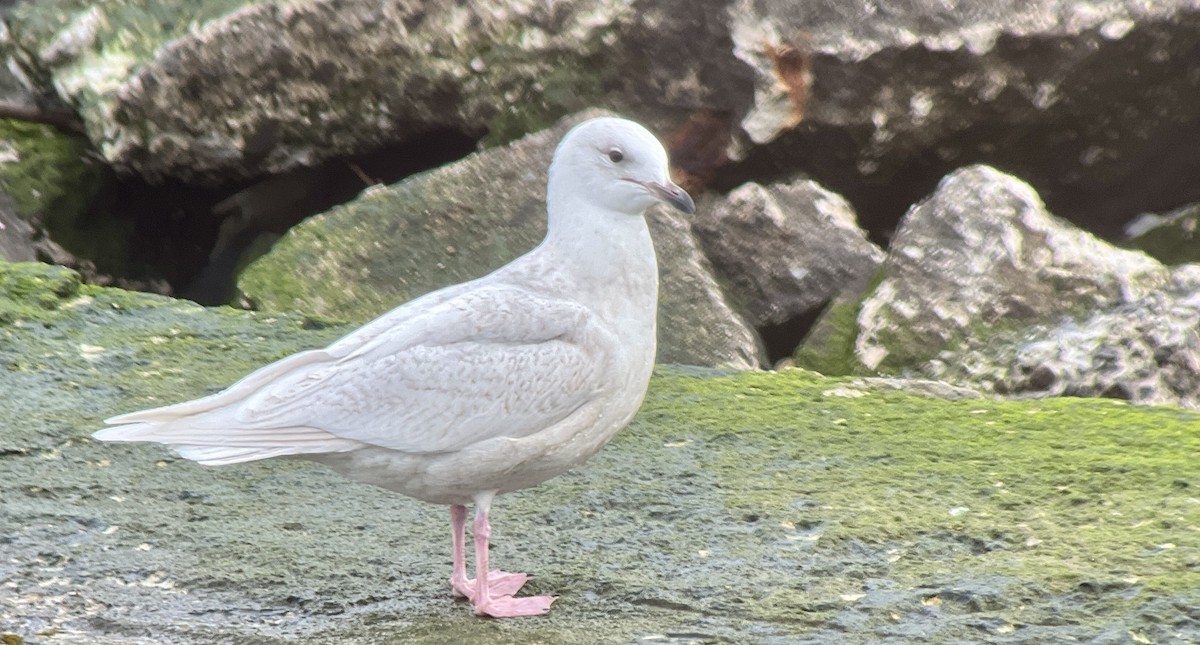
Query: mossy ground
(753,507)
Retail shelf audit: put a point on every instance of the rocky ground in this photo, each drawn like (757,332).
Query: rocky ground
(739,507)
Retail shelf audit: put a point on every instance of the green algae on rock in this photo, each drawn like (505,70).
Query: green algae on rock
(773,507)
(53,182)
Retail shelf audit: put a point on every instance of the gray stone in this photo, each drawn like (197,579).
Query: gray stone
(1145,352)
(1083,98)
(983,253)
(16,235)
(786,248)
(462,221)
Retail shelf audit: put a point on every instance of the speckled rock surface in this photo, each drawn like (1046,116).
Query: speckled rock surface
(201,90)
(891,97)
(982,253)
(1146,352)
(765,507)
(462,221)
(786,248)
(903,93)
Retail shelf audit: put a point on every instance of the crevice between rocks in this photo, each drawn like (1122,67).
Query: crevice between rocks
(191,241)
(781,339)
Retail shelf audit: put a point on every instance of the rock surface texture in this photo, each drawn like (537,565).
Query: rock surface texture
(787,249)
(220,88)
(463,220)
(17,237)
(1170,238)
(984,252)
(1146,351)
(891,97)
(1045,521)
(902,94)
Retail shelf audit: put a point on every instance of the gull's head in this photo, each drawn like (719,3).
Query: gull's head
(617,165)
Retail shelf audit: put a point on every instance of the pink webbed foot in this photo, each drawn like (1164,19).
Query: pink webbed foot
(490,591)
(500,583)
(509,607)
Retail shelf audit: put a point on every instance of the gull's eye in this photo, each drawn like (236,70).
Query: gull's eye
(616,156)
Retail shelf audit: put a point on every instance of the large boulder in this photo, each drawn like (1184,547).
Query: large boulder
(462,221)
(776,507)
(787,248)
(213,89)
(982,255)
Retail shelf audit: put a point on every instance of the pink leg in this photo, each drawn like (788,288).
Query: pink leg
(499,582)
(487,601)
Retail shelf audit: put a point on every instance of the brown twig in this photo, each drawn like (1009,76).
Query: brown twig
(64,120)
(366,179)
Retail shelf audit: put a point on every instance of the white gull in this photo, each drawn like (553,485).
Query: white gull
(477,389)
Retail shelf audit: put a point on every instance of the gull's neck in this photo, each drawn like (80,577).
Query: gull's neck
(599,258)
(596,241)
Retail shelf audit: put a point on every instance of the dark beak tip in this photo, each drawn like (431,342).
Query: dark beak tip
(685,203)
(680,199)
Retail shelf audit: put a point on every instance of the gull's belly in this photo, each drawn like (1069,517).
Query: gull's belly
(497,465)
(505,464)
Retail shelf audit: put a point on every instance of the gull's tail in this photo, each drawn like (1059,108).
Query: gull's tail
(210,430)
(212,436)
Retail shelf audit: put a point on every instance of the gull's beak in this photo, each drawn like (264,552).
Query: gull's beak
(669,193)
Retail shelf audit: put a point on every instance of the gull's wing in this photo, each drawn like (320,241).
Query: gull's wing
(494,361)
(489,361)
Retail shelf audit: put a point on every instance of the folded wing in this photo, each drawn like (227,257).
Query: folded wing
(487,362)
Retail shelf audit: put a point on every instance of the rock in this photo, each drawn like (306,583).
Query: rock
(16,235)
(983,253)
(54,185)
(783,478)
(903,94)
(787,248)
(1145,352)
(257,87)
(1169,238)
(462,221)
(696,324)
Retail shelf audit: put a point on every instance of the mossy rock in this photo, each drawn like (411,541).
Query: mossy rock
(1171,238)
(738,507)
(54,182)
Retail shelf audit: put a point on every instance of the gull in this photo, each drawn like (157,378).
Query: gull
(481,388)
